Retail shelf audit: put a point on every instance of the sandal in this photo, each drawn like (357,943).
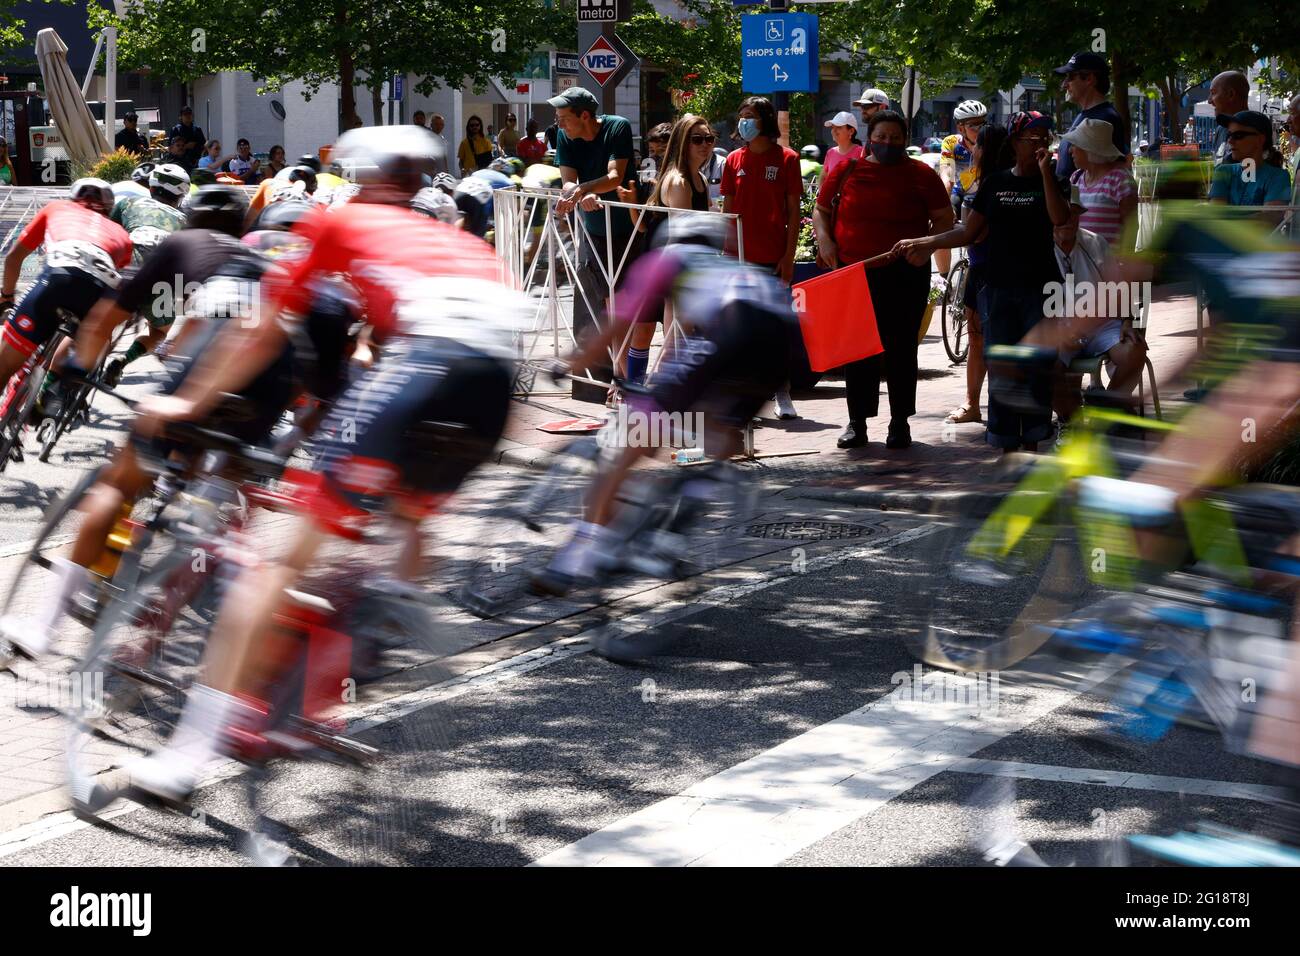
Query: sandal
(964,414)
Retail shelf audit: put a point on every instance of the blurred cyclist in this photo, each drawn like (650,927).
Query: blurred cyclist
(737,323)
(438,306)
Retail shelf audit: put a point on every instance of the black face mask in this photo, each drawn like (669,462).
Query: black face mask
(887,154)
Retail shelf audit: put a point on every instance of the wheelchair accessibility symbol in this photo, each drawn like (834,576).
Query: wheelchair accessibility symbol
(775,31)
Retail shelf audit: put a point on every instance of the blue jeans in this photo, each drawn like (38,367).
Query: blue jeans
(1007,315)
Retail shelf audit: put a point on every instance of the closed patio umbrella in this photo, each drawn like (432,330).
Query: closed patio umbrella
(83,138)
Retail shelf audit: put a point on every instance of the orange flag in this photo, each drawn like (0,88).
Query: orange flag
(836,317)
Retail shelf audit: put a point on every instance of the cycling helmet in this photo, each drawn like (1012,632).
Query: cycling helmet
(437,204)
(283,216)
(692,228)
(446,182)
(517,166)
(216,207)
(170,179)
(394,155)
(141,173)
(98,192)
(501,164)
(307,159)
(969,110)
(304,174)
(812,151)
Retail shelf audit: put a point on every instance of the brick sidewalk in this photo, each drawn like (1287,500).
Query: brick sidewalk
(942,457)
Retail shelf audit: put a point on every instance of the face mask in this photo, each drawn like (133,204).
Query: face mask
(888,154)
(747,129)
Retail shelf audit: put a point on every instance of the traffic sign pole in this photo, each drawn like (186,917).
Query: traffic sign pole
(781,101)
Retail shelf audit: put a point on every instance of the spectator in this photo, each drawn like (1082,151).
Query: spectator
(1229,93)
(1086,83)
(243,164)
(190,136)
(552,135)
(1294,125)
(844,130)
(1255,176)
(987,157)
(593,153)
(648,170)
(871,102)
(763,185)
(129,138)
(1020,207)
(508,138)
(7,172)
(475,149)
(530,149)
(275,161)
(212,160)
(417,118)
(762,182)
(176,150)
(681,185)
(713,171)
(446,162)
(1106,207)
(864,209)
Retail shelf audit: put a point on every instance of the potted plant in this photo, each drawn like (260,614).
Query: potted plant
(805,253)
(931,303)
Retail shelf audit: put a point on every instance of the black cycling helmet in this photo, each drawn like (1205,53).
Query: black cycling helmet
(284,215)
(307,159)
(304,174)
(221,208)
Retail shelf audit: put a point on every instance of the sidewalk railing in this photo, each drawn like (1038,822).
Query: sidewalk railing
(541,251)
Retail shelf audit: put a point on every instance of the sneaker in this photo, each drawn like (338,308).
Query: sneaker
(784,407)
(853,436)
(113,372)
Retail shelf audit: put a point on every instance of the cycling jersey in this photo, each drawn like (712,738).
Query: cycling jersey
(956,157)
(147,221)
(383,249)
(72,233)
(184,261)
(700,283)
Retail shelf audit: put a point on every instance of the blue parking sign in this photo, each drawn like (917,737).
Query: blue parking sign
(778,52)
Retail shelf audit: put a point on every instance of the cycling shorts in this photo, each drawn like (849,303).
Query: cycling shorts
(732,371)
(371,446)
(37,315)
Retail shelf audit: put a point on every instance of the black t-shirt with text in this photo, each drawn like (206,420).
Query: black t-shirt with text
(1020,247)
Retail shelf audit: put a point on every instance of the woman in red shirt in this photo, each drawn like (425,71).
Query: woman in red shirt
(864,207)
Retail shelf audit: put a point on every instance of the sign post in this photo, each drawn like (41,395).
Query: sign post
(604,61)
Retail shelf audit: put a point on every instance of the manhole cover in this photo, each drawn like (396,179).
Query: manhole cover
(806,530)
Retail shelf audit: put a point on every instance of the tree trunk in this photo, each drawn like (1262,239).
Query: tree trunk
(1119,91)
(377,103)
(1169,92)
(347,72)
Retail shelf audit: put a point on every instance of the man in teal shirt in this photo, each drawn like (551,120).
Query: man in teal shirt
(594,153)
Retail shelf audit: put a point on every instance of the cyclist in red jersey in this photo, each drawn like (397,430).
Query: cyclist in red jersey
(435,296)
(84,250)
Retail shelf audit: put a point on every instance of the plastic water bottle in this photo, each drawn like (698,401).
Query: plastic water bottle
(684,456)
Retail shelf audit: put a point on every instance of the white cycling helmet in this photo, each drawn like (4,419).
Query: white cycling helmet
(437,204)
(171,179)
(397,155)
(812,151)
(96,190)
(969,110)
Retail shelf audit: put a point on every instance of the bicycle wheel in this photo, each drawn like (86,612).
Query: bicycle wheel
(953,314)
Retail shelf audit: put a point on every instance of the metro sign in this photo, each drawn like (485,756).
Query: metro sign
(601,60)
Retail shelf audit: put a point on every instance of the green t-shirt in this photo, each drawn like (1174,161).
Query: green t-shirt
(590,158)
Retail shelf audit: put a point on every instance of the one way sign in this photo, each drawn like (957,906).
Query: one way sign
(779,53)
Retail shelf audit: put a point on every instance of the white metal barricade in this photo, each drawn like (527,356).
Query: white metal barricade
(540,251)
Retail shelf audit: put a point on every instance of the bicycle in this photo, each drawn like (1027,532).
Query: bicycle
(24,389)
(952,310)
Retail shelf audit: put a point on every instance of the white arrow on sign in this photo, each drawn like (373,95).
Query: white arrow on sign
(779,74)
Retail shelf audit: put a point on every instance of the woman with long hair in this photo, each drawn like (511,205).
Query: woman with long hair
(475,151)
(989,142)
(680,185)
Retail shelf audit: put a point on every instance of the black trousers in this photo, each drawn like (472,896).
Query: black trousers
(898,296)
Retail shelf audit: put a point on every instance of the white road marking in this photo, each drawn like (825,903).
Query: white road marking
(55,825)
(766,809)
(1118,778)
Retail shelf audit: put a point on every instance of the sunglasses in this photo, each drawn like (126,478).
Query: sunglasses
(699,139)
(977,123)
(1243,134)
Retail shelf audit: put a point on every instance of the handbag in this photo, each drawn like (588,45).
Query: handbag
(835,200)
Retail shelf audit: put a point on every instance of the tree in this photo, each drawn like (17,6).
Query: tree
(334,41)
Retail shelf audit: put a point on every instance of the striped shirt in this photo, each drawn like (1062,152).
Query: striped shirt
(1101,198)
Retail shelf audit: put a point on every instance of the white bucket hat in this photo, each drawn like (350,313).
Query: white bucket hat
(1095,137)
(842,118)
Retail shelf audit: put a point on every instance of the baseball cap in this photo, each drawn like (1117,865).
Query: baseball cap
(187,109)
(872,95)
(842,118)
(1257,121)
(1086,62)
(575,98)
